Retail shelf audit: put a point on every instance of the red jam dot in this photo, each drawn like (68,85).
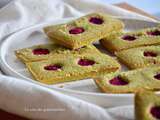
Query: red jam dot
(96,20)
(86,62)
(118,81)
(40,51)
(157,76)
(52,67)
(129,38)
(154,33)
(76,30)
(149,54)
(155,111)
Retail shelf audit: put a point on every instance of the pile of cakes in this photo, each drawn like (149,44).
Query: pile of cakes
(72,56)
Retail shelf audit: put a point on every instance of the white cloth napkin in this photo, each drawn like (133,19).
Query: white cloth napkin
(37,102)
(31,100)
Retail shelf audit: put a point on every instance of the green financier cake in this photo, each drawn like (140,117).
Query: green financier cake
(120,41)
(63,68)
(140,57)
(43,52)
(84,30)
(131,81)
(147,106)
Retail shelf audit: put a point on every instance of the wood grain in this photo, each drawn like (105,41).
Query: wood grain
(129,7)
(8,116)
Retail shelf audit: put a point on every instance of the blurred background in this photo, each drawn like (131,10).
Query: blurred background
(150,6)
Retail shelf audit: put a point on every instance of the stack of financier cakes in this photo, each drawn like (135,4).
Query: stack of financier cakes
(138,50)
(72,56)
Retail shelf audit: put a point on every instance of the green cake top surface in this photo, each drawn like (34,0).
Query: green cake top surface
(43,52)
(71,63)
(120,40)
(147,106)
(66,66)
(84,30)
(140,57)
(130,81)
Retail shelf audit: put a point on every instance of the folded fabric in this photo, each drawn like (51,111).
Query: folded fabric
(38,102)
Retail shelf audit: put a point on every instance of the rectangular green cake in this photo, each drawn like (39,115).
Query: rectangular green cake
(147,106)
(140,57)
(43,52)
(130,81)
(64,68)
(118,41)
(84,30)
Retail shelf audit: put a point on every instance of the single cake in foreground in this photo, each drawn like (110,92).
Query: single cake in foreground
(140,57)
(43,52)
(147,106)
(84,30)
(121,41)
(63,68)
(131,81)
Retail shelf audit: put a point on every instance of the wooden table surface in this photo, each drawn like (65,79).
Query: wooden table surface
(8,116)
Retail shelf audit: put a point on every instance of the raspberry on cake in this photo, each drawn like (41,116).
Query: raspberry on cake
(129,82)
(147,106)
(140,57)
(121,41)
(43,52)
(64,67)
(84,30)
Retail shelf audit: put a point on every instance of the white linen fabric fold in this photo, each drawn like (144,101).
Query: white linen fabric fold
(37,102)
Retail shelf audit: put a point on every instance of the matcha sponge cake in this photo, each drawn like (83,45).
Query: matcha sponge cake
(147,106)
(140,57)
(64,68)
(43,52)
(121,41)
(84,30)
(130,82)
